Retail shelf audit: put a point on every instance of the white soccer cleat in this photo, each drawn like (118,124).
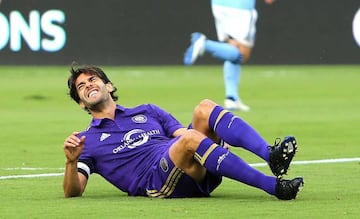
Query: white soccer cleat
(196,48)
(236,105)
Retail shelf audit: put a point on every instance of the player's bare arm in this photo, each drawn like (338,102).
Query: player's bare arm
(179,132)
(74,183)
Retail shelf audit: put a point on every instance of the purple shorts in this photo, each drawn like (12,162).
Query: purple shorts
(168,181)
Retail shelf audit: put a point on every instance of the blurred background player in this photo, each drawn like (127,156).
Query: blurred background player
(235,22)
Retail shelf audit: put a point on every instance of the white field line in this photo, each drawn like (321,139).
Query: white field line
(325,161)
(338,160)
(32,168)
(31,176)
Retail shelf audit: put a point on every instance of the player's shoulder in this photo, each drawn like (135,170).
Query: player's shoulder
(144,107)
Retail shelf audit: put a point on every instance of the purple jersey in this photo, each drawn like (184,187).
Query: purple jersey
(124,150)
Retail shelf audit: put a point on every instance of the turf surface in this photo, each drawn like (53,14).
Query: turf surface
(318,104)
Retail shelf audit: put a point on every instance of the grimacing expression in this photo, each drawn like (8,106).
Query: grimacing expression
(92,90)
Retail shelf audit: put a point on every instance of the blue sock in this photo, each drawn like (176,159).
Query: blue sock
(222,162)
(237,132)
(223,51)
(231,79)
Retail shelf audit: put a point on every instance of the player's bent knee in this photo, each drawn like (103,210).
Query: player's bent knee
(204,108)
(190,140)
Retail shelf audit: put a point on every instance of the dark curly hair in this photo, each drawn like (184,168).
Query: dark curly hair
(87,69)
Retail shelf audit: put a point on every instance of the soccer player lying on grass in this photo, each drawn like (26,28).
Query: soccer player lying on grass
(145,151)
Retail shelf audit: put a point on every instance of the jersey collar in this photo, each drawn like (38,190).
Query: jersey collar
(97,122)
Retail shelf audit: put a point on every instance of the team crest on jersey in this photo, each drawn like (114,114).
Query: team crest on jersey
(164,164)
(139,118)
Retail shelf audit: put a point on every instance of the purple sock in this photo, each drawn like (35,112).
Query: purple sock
(220,161)
(237,132)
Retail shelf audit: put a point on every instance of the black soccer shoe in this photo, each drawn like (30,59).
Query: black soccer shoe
(281,155)
(288,189)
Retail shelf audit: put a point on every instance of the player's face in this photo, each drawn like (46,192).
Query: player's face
(92,90)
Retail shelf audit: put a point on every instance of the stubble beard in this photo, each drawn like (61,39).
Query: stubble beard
(98,105)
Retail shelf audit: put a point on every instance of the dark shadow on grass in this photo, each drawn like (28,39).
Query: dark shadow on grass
(228,197)
(36,97)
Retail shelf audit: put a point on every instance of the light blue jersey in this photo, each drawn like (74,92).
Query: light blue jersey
(241,4)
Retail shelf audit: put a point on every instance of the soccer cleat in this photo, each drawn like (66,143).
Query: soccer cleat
(288,189)
(196,48)
(235,105)
(281,155)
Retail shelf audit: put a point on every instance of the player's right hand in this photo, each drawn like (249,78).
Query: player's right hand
(73,146)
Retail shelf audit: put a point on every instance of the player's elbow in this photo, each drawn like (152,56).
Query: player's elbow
(71,191)
(72,194)
(74,186)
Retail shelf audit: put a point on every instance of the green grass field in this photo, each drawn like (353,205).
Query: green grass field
(320,105)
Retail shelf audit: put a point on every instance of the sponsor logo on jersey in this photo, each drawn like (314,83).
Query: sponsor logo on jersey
(135,138)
